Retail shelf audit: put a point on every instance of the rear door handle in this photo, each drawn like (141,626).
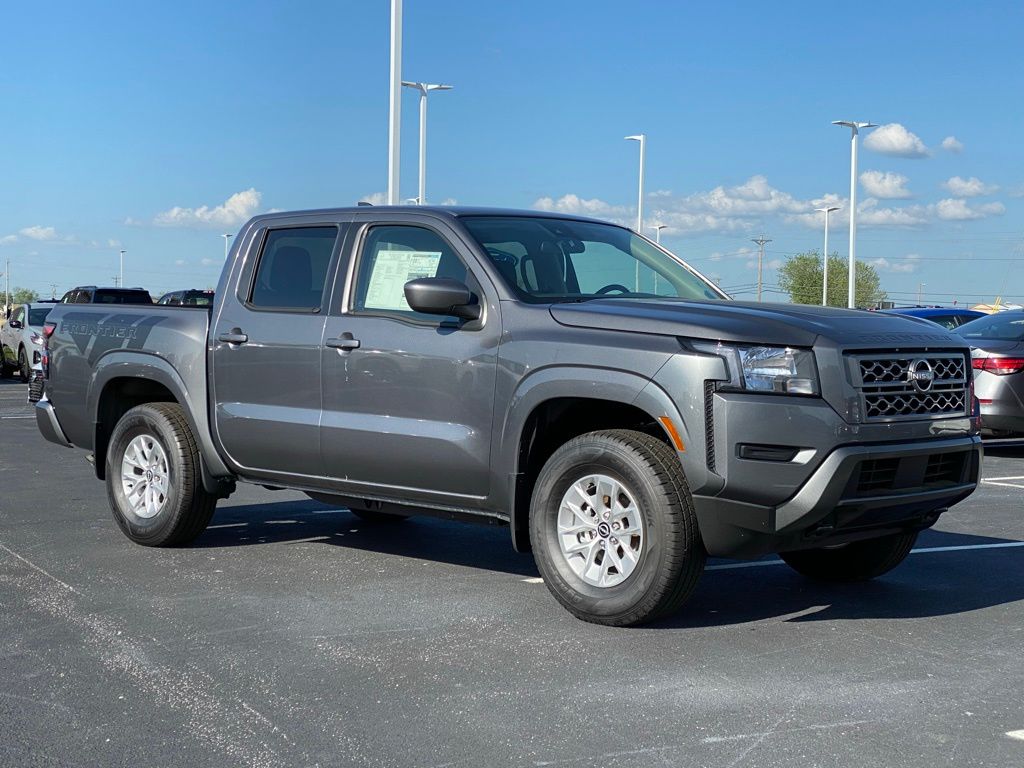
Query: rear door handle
(343,344)
(234,336)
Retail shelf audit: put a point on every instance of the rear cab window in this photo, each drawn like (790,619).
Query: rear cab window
(292,269)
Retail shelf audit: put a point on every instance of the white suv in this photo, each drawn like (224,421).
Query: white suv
(21,339)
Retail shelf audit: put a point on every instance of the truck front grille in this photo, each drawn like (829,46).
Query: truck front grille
(912,385)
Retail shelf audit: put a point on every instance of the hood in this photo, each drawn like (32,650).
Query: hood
(755,323)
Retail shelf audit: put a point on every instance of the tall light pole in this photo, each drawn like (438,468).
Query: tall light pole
(226,237)
(122,266)
(424,89)
(855,127)
(395,102)
(761,242)
(642,138)
(824,279)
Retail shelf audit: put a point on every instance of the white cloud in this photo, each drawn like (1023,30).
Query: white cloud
(908,263)
(952,144)
(180,263)
(972,187)
(870,214)
(894,139)
(8,239)
(236,210)
(374,198)
(449,201)
(886,185)
(210,262)
(38,233)
(958,210)
(581,206)
(112,243)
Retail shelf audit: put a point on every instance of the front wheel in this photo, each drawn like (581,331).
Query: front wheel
(613,528)
(859,561)
(153,477)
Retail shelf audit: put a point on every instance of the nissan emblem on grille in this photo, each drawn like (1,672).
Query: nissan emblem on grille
(921,375)
(914,386)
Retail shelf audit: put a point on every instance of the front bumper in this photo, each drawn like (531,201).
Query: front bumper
(856,491)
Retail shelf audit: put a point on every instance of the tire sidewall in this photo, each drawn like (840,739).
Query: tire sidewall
(24,371)
(142,421)
(565,468)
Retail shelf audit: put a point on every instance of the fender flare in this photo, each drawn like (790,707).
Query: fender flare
(136,364)
(555,382)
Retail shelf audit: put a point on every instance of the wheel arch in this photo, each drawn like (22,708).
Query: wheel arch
(122,381)
(555,405)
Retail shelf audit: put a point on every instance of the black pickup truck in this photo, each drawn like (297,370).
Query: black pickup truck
(563,376)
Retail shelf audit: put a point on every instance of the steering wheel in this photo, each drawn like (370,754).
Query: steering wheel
(613,287)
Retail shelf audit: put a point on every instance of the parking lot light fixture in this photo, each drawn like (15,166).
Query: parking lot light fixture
(824,278)
(122,265)
(226,237)
(657,232)
(424,89)
(642,138)
(855,128)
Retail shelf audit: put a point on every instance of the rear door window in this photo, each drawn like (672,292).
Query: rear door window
(293,268)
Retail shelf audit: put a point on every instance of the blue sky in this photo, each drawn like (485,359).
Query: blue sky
(156,127)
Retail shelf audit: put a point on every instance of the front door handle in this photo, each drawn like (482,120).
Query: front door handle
(234,336)
(343,343)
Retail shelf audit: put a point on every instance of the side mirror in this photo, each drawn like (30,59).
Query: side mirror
(441,296)
(15,324)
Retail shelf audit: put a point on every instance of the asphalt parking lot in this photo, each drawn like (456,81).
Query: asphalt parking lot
(293,634)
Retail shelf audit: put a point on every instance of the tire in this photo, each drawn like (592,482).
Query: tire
(859,561)
(378,518)
(667,552)
(23,370)
(186,507)
(6,371)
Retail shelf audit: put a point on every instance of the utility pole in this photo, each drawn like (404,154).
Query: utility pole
(761,241)
(117,281)
(920,293)
(7,287)
(122,266)
(824,262)
(53,290)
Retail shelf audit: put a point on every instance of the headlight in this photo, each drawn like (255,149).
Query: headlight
(780,370)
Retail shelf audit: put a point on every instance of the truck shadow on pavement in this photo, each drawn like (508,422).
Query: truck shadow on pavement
(926,584)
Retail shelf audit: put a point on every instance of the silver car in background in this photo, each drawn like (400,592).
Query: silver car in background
(21,339)
(997,356)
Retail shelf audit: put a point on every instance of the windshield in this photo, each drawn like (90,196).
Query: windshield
(1005,325)
(547,260)
(36,317)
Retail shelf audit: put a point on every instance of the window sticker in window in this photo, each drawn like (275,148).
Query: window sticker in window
(392,269)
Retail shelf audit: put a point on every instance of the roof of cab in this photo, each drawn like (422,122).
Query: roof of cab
(445,211)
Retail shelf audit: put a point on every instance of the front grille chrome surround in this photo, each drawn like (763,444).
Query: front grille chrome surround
(911,385)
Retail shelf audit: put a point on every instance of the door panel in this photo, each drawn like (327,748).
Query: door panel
(410,405)
(267,355)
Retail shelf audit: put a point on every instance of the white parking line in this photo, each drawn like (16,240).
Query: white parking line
(1003,485)
(1015,477)
(1018,735)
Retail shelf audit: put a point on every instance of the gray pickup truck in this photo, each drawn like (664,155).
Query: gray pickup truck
(562,376)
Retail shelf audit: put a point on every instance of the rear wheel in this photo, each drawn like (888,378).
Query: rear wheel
(859,561)
(153,477)
(613,528)
(23,369)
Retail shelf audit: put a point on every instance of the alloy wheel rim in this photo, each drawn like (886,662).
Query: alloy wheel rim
(145,476)
(600,530)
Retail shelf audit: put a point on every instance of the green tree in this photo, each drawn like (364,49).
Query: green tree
(24,296)
(801,277)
